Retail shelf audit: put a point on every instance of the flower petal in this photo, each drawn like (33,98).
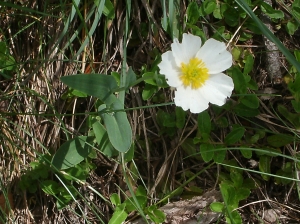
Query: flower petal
(217,88)
(169,68)
(191,44)
(188,98)
(215,56)
(187,49)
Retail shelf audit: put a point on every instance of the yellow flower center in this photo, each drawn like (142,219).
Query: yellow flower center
(194,73)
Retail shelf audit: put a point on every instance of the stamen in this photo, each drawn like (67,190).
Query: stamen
(194,73)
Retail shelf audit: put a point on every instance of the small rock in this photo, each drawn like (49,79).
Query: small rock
(271,215)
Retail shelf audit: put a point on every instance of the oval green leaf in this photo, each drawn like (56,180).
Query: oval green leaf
(250,101)
(235,135)
(117,126)
(72,152)
(103,142)
(119,215)
(265,166)
(279,140)
(217,206)
(204,124)
(97,85)
(206,152)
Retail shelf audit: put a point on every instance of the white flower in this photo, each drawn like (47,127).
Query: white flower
(196,72)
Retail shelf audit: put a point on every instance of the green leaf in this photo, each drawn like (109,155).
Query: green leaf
(62,202)
(72,152)
(129,155)
(242,110)
(246,153)
(115,199)
(155,215)
(161,81)
(77,93)
(131,206)
(119,215)
(251,25)
(206,152)
(180,117)
(269,152)
(77,172)
(219,156)
(109,10)
(219,33)
(140,191)
(193,12)
(265,166)
(245,36)
(228,193)
(272,13)
(169,120)
(217,206)
(236,178)
(293,118)
(236,218)
(294,87)
(296,12)
(222,122)
(286,171)
(249,61)
(239,81)
(117,77)
(235,135)
(7,62)
(39,170)
(296,105)
(103,141)
(236,53)
(232,16)
(250,101)
(117,126)
(148,91)
(97,85)
(217,12)
(166,119)
(65,196)
(3,48)
(190,148)
(204,125)
(249,183)
(292,27)
(297,54)
(207,7)
(296,3)
(131,78)
(279,140)
(252,85)
(149,78)
(50,187)
(196,31)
